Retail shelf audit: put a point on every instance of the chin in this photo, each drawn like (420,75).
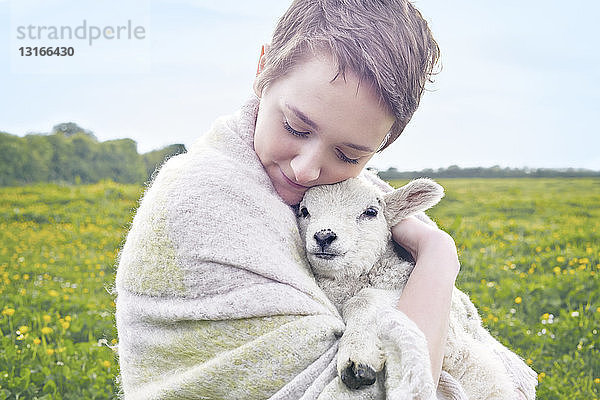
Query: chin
(290,198)
(327,268)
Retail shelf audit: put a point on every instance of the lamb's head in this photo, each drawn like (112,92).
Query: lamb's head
(346,226)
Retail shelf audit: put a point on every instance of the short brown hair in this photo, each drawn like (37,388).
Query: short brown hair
(387,43)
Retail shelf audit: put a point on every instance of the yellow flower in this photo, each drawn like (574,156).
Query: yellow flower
(529,361)
(518,300)
(23,329)
(9,312)
(53,293)
(560,259)
(37,341)
(68,318)
(65,325)
(556,270)
(49,351)
(46,330)
(597,380)
(47,318)
(541,376)
(106,363)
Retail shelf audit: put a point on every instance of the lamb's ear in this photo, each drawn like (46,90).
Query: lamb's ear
(418,195)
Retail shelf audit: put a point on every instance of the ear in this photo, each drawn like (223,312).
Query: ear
(261,66)
(418,195)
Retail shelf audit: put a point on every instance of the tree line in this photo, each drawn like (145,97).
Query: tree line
(71,154)
(496,171)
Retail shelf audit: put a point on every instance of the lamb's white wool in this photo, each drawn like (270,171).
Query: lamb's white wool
(346,231)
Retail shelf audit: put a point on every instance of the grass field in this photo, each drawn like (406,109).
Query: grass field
(529,250)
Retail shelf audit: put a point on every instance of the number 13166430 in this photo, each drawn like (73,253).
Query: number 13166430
(46,51)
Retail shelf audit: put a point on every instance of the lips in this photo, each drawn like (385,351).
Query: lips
(325,256)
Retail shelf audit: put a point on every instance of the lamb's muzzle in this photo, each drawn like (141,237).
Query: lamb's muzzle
(324,238)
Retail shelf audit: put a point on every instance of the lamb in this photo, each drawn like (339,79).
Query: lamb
(346,231)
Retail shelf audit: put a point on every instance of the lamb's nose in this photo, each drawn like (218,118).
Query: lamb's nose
(325,237)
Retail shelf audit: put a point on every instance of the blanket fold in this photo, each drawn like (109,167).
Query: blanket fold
(215,299)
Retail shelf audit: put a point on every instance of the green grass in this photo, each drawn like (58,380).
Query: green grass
(59,245)
(530,260)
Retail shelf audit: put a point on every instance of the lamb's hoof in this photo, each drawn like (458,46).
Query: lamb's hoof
(356,377)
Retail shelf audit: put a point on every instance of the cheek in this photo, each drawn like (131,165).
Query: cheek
(265,138)
(272,144)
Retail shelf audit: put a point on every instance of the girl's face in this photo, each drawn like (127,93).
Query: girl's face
(313,130)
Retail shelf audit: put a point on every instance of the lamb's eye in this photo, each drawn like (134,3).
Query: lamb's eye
(304,212)
(370,212)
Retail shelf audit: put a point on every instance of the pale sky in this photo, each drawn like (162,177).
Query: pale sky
(519,85)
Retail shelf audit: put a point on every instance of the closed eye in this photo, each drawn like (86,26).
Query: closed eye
(339,153)
(345,158)
(294,132)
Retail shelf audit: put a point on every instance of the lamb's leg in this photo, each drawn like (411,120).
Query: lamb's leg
(407,366)
(337,390)
(360,356)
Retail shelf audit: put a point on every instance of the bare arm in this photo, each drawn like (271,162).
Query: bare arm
(428,293)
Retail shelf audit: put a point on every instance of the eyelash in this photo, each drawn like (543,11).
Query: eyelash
(340,155)
(294,132)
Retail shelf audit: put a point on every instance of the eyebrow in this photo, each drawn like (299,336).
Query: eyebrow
(359,147)
(304,118)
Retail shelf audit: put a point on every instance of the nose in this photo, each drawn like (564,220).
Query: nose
(325,237)
(306,165)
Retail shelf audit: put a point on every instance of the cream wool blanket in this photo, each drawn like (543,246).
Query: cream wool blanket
(215,299)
